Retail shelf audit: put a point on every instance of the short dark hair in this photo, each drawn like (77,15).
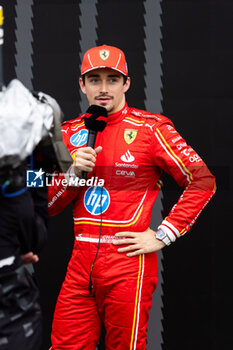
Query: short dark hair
(124,77)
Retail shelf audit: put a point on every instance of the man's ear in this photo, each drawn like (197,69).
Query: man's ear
(82,85)
(127,84)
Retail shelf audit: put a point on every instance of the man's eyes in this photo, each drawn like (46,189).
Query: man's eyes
(96,80)
(93,80)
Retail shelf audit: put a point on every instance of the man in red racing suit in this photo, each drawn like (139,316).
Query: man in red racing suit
(137,147)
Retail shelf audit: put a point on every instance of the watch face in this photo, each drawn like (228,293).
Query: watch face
(160,234)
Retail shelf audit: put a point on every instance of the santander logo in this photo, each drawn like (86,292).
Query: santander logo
(127,157)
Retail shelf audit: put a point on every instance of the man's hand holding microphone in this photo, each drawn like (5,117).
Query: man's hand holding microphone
(95,120)
(85,159)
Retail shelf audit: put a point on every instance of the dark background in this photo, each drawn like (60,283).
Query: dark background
(197,95)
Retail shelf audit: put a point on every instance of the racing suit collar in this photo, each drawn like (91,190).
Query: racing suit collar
(118,116)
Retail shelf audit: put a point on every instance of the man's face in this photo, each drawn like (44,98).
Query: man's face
(105,87)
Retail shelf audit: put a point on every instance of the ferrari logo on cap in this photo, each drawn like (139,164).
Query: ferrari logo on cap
(130,135)
(104,54)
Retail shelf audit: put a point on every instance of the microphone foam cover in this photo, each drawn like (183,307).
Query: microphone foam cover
(96,118)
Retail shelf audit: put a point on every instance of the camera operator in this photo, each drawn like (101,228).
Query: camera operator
(27,124)
(22,220)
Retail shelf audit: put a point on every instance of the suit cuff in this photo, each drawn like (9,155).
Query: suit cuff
(170,230)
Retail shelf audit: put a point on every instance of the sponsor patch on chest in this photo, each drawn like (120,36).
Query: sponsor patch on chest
(79,138)
(130,135)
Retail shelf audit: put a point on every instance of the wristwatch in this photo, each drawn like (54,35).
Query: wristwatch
(162,236)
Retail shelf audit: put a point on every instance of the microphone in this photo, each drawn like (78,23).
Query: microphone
(95,121)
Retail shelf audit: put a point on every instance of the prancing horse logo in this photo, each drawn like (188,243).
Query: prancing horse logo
(130,135)
(104,54)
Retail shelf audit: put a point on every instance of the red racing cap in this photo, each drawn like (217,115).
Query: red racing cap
(104,57)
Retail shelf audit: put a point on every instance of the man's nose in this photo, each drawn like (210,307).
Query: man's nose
(103,87)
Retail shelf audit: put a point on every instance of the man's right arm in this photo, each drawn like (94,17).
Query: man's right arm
(60,193)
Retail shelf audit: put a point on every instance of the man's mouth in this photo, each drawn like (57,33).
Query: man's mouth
(103,99)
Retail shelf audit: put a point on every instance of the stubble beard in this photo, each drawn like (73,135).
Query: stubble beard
(108,108)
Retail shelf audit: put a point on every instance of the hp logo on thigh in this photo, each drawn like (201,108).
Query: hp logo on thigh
(93,200)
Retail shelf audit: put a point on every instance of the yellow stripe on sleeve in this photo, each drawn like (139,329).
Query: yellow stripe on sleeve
(172,152)
(75,126)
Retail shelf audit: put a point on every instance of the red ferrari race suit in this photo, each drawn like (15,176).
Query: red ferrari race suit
(137,148)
